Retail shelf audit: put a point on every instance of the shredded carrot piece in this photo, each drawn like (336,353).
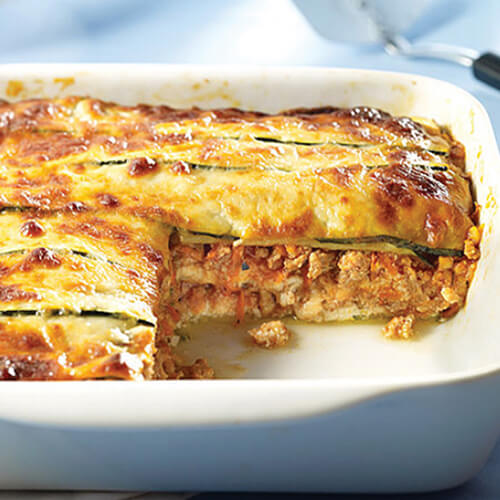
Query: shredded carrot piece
(237,259)
(388,263)
(240,308)
(174,313)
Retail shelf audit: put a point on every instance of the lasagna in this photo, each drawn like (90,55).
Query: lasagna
(121,223)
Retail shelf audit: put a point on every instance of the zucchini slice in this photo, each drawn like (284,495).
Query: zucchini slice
(367,243)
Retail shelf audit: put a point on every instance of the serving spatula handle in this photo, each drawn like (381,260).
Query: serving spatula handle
(487,69)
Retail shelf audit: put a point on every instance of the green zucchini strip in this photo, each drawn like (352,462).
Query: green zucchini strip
(65,312)
(273,140)
(277,140)
(419,251)
(397,242)
(62,251)
(198,166)
(216,236)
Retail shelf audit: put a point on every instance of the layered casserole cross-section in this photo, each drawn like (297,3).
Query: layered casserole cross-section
(120,223)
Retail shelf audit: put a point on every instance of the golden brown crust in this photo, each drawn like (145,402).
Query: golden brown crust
(79,294)
(324,173)
(70,347)
(92,191)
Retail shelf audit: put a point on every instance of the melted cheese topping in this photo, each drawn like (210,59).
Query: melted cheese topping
(325,173)
(92,191)
(80,294)
(69,347)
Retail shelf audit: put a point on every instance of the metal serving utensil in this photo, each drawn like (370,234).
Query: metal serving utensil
(486,67)
(383,21)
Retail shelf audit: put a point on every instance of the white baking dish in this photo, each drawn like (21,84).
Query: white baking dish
(342,409)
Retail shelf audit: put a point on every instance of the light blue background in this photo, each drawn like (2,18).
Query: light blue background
(243,31)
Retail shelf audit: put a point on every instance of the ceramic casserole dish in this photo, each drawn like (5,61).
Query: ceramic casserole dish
(342,409)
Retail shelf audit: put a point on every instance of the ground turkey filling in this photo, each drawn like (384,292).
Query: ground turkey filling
(222,280)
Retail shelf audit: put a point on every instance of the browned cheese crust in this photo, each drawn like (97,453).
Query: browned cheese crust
(121,222)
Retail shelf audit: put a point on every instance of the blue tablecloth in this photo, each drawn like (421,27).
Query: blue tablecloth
(224,31)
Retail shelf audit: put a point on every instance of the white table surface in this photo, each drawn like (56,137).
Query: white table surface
(224,31)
